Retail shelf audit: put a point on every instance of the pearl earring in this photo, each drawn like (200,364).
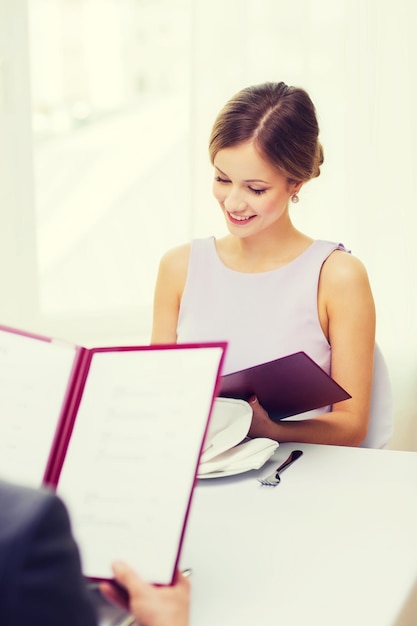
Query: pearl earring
(295,198)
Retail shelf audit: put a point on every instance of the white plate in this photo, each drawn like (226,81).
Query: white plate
(231,472)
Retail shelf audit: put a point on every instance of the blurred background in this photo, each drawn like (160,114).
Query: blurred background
(105,111)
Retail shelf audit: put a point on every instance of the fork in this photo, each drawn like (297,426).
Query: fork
(273,479)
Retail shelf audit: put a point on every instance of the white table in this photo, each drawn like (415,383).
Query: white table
(335,544)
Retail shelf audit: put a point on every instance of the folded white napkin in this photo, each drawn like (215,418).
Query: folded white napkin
(226,448)
(250,454)
(229,424)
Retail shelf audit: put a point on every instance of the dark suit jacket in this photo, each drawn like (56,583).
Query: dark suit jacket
(40,574)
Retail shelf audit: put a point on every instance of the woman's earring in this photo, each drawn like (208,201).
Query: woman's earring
(295,198)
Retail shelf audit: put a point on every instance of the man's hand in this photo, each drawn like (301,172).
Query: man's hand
(151,605)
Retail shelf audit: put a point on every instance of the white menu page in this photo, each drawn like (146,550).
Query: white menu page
(34,375)
(130,466)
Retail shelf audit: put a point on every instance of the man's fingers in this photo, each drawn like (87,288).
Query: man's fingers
(113,594)
(128,577)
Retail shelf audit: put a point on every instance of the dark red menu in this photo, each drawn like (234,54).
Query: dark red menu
(286,386)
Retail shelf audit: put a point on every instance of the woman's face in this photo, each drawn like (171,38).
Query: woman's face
(252,194)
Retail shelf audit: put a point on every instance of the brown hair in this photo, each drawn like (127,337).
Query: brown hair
(282,123)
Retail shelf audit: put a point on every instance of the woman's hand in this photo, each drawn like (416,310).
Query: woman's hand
(262,425)
(151,605)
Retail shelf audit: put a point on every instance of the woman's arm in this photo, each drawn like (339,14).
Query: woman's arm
(347,315)
(168,293)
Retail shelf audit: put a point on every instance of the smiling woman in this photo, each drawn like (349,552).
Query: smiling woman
(266,288)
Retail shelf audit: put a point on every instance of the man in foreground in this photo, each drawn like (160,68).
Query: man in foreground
(41,582)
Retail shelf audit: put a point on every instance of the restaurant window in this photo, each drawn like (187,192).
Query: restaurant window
(110,117)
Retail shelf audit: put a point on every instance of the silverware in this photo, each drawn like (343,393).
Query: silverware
(273,479)
(187,572)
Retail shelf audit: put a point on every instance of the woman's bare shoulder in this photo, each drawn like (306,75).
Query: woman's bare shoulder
(342,269)
(175,260)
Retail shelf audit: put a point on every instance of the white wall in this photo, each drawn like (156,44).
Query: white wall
(18,285)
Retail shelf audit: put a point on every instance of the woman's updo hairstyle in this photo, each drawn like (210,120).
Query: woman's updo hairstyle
(282,123)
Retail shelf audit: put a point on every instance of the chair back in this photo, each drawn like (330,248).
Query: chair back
(381,412)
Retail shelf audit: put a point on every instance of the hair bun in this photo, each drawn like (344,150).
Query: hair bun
(319,160)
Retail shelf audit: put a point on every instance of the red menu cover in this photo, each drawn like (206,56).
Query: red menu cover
(118,432)
(286,386)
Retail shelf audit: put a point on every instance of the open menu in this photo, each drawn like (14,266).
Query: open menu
(286,386)
(118,432)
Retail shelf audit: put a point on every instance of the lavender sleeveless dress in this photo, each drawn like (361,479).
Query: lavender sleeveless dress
(262,316)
